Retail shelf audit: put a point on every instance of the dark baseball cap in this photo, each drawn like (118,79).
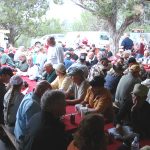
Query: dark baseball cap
(6,70)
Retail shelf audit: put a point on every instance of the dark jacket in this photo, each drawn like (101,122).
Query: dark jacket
(46,132)
(140,120)
(2,93)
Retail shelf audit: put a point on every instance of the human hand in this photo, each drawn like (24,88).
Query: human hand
(119,129)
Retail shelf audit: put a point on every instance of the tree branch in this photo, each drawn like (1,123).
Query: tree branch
(128,21)
(82,6)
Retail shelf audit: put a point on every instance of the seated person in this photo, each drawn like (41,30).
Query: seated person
(90,134)
(28,107)
(98,98)
(138,109)
(145,60)
(45,129)
(79,87)
(67,61)
(91,59)
(22,64)
(5,59)
(112,78)
(12,100)
(33,70)
(100,68)
(50,74)
(62,81)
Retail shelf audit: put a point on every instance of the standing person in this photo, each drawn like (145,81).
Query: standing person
(127,43)
(55,54)
(5,75)
(12,100)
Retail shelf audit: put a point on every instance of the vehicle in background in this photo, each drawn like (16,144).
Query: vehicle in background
(43,39)
(100,39)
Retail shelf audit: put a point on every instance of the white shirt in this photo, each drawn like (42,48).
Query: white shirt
(55,55)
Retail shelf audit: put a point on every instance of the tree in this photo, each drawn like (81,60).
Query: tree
(21,16)
(117,14)
(49,26)
(86,22)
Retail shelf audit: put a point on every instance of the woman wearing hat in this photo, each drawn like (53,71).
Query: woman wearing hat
(62,81)
(12,100)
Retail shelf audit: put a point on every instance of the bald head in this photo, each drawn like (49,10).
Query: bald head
(41,88)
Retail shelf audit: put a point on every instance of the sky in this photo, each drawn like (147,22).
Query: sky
(68,11)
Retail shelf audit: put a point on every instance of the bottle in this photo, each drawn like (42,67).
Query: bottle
(135,144)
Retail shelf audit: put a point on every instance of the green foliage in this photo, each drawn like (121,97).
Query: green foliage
(49,27)
(21,16)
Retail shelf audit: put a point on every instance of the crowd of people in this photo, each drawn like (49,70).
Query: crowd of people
(113,87)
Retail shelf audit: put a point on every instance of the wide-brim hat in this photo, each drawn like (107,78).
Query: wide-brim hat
(140,90)
(60,68)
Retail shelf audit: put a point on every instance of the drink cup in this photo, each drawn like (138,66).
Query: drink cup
(78,107)
(83,110)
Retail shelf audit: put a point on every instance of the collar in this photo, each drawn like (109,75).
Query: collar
(35,97)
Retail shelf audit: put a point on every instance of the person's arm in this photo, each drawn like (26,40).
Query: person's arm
(123,112)
(73,102)
(60,55)
(3,59)
(82,94)
(54,84)
(65,84)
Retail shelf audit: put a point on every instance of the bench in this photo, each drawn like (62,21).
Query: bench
(10,136)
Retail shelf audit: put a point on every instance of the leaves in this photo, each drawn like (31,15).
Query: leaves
(21,16)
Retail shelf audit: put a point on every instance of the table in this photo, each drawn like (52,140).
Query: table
(31,83)
(72,128)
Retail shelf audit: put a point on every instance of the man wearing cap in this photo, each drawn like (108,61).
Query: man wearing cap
(126,85)
(79,87)
(138,109)
(5,75)
(12,100)
(100,68)
(55,54)
(28,107)
(5,59)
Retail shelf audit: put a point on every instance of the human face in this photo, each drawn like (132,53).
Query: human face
(76,79)
(104,63)
(30,61)
(48,69)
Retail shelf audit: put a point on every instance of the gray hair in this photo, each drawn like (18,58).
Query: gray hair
(48,64)
(51,100)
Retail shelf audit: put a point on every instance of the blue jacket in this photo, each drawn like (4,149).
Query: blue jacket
(28,107)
